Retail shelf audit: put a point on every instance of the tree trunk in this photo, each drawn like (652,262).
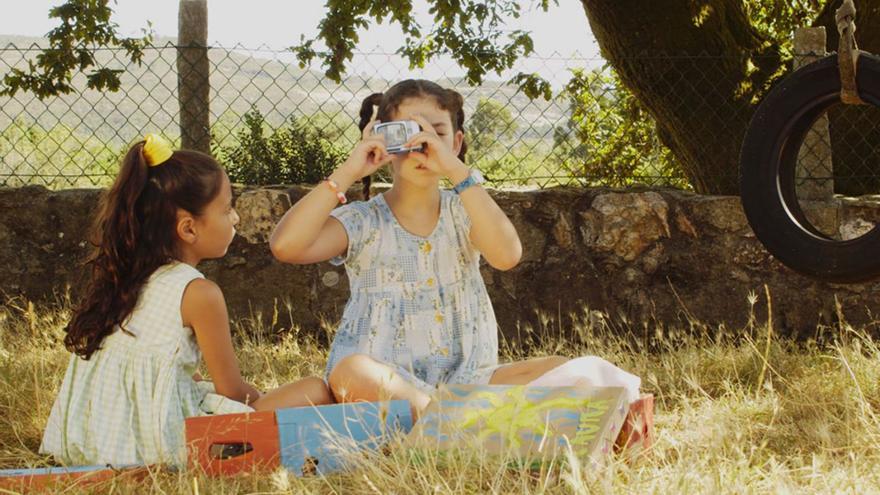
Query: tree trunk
(695,67)
(855,135)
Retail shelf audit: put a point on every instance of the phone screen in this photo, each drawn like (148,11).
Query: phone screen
(395,135)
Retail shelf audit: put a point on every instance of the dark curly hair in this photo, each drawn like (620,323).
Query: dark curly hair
(134,234)
(389,101)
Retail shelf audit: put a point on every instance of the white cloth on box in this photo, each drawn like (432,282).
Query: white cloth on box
(590,371)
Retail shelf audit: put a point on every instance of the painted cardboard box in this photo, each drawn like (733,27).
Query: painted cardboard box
(528,422)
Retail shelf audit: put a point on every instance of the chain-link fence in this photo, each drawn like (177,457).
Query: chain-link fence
(274,122)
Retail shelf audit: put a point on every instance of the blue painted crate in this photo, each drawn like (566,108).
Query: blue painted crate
(5,473)
(315,440)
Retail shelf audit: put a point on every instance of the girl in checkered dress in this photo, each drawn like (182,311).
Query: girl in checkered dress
(148,316)
(419,314)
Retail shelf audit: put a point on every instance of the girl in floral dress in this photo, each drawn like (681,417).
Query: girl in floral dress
(419,314)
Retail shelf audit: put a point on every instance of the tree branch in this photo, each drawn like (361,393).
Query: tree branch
(85,26)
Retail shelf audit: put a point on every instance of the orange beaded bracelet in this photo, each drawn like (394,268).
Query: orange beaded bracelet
(335,188)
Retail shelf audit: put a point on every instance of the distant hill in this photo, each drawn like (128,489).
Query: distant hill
(271,81)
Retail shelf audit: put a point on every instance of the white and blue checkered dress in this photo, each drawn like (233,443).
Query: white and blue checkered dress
(127,403)
(418,304)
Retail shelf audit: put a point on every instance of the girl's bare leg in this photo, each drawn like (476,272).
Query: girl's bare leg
(306,392)
(359,377)
(523,372)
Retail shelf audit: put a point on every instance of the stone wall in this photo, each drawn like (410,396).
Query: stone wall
(641,256)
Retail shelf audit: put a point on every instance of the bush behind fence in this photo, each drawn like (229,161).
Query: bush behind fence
(274,122)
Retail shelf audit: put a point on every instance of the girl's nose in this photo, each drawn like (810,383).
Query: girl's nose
(235,217)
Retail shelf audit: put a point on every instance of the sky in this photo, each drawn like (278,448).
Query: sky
(278,24)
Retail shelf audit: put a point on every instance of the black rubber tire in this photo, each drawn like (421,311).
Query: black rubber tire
(767,174)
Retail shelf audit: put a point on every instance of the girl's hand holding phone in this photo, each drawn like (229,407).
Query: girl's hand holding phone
(368,156)
(438,156)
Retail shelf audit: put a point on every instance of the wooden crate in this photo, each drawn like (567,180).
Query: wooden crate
(637,435)
(229,444)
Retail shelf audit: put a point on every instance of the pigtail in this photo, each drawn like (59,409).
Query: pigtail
(115,236)
(368,108)
(120,224)
(458,119)
(366,114)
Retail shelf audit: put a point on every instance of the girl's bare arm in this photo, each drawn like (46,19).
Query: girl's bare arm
(204,310)
(491,231)
(307,233)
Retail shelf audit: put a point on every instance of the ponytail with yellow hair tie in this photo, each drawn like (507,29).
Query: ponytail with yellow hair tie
(156,150)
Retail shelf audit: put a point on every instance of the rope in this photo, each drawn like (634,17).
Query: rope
(848,53)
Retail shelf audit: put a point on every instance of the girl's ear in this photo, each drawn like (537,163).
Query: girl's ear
(457,141)
(186,228)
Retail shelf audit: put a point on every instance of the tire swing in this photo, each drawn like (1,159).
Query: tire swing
(769,156)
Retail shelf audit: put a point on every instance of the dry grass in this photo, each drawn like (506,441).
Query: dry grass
(737,412)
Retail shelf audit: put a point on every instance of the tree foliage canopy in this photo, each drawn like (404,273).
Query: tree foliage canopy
(85,25)
(470,31)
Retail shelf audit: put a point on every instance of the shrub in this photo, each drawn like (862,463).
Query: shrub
(294,153)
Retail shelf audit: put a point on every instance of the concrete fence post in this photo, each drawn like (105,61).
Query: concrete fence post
(815,173)
(193,85)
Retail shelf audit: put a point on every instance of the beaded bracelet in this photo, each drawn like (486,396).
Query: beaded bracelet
(335,188)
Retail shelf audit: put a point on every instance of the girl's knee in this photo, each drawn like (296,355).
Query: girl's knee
(351,367)
(314,383)
(317,390)
(353,363)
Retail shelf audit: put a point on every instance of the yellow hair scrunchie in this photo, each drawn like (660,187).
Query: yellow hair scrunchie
(156,150)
